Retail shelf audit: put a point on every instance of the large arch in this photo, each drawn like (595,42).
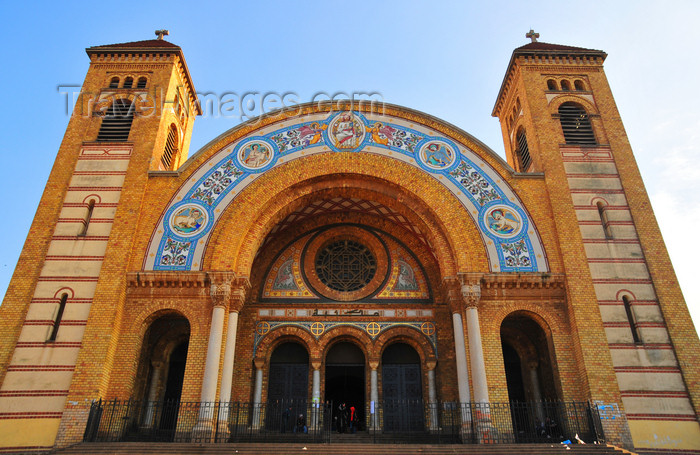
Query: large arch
(440,166)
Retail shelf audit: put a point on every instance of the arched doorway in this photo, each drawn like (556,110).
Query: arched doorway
(288,385)
(402,388)
(528,364)
(345,380)
(527,360)
(162,367)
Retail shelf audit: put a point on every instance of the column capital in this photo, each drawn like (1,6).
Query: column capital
(316,364)
(259,363)
(239,292)
(453,298)
(470,288)
(430,364)
(374,364)
(220,289)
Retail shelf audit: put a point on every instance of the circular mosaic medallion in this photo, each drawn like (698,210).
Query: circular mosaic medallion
(373,329)
(428,328)
(255,155)
(262,328)
(503,221)
(189,220)
(317,328)
(346,132)
(437,155)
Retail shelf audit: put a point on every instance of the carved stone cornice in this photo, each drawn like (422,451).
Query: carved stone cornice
(500,286)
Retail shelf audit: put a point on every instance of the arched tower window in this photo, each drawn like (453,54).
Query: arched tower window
(631,320)
(88,217)
(522,151)
(59,316)
(171,147)
(114,83)
(128,82)
(141,83)
(576,125)
(578,85)
(116,124)
(565,85)
(551,84)
(603,214)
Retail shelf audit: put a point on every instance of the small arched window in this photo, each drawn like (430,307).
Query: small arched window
(631,320)
(59,316)
(565,85)
(551,84)
(603,214)
(116,123)
(171,147)
(576,125)
(88,217)
(578,85)
(522,151)
(141,83)
(128,82)
(114,83)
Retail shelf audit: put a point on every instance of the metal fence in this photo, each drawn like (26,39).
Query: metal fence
(381,422)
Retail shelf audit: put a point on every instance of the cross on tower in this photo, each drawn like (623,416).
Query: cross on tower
(161,33)
(531,34)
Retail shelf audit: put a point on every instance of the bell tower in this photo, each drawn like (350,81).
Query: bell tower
(134,116)
(559,120)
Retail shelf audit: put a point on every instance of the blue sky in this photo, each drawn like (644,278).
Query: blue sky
(443,58)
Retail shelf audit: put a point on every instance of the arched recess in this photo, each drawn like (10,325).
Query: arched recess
(161,371)
(288,384)
(403,147)
(529,358)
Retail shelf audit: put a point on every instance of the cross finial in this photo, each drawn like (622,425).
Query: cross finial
(531,34)
(161,33)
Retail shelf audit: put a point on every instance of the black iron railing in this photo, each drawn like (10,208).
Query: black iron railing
(298,420)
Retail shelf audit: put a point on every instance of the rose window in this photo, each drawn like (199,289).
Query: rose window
(345,266)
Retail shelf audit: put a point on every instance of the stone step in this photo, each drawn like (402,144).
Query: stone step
(333,449)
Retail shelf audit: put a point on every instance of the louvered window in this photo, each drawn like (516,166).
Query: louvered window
(522,151)
(116,123)
(170,148)
(128,82)
(141,83)
(114,83)
(576,125)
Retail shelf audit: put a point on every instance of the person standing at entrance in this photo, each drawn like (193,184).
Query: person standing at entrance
(342,418)
(353,420)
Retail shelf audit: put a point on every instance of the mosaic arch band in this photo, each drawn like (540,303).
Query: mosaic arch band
(507,231)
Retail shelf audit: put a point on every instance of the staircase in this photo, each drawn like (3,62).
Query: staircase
(338,448)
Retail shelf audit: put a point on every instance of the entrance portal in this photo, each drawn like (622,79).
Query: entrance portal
(345,382)
(401,384)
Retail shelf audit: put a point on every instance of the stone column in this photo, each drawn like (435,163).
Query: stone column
(471,292)
(432,395)
(238,295)
(374,395)
(157,368)
(535,384)
(315,394)
(257,393)
(220,293)
(454,300)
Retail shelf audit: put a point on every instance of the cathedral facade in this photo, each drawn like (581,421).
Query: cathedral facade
(357,253)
